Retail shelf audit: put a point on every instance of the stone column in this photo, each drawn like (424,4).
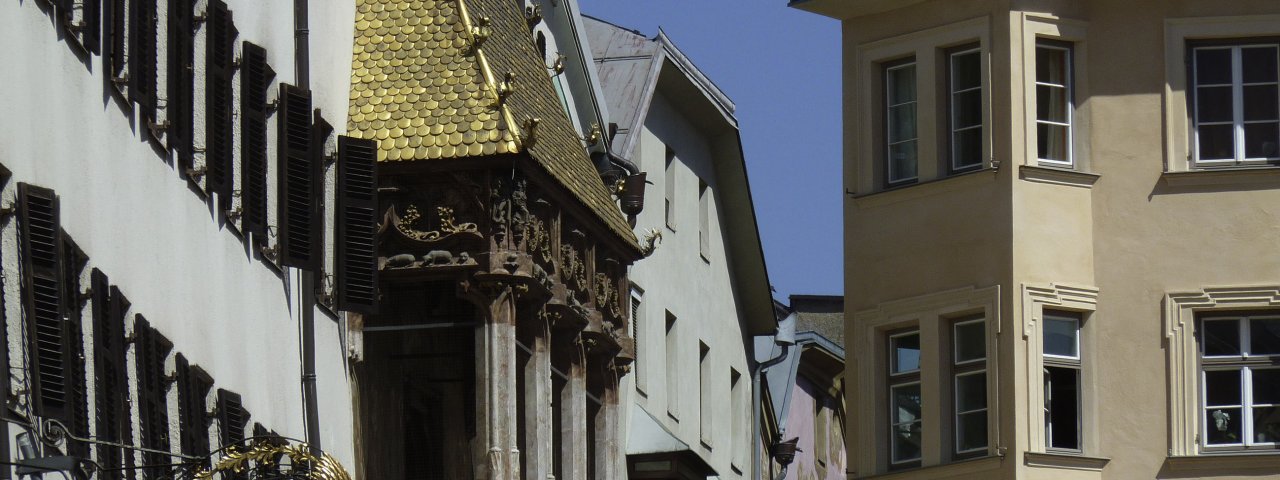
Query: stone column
(608,431)
(573,427)
(497,454)
(537,409)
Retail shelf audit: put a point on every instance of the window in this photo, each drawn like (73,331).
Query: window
(740,423)
(1054,103)
(904,399)
(232,420)
(1240,363)
(669,183)
(637,318)
(704,221)
(150,351)
(900,122)
(673,369)
(969,363)
(1236,103)
(706,400)
(965,90)
(1062,381)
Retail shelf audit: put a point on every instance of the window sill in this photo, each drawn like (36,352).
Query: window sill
(1065,461)
(1224,176)
(1057,176)
(922,189)
(1237,462)
(962,467)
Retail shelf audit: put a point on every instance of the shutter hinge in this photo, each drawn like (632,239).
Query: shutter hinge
(196,173)
(121,80)
(7,210)
(199,19)
(324,294)
(330,158)
(273,105)
(76,27)
(233,214)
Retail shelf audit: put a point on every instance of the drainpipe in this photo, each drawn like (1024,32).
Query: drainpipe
(785,337)
(311,409)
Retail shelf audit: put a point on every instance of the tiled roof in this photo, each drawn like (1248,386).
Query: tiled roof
(417,88)
(421,90)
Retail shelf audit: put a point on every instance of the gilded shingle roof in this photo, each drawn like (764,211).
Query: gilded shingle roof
(417,88)
(424,93)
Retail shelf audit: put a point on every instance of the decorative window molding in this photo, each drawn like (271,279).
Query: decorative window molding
(1069,35)
(1179,135)
(932,315)
(929,48)
(1182,354)
(1061,297)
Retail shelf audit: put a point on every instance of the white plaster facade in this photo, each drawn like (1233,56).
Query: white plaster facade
(193,277)
(699,294)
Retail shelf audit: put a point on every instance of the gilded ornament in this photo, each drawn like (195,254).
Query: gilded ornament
(448,226)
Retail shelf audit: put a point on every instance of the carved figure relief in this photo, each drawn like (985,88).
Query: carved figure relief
(573,268)
(607,297)
(539,241)
(510,213)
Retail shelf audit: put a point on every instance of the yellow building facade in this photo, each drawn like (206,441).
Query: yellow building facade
(1060,225)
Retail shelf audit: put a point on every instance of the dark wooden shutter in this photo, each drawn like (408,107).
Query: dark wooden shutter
(255,77)
(357,225)
(110,416)
(193,421)
(113,36)
(91,14)
(43,296)
(77,419)
(220,50)
(180,81)
(151,351)
(295,170)
(232,419)
(142,57)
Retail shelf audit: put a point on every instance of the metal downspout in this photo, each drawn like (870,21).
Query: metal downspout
(302,59)
(785,337)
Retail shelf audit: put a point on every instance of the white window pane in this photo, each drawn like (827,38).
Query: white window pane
(1222,426)
(906,403)
(1220,337)
(966,71)
(902,84)
(902,122)
(1052,104)
(1214,104)
(1060,335)
(971,392)
(906,442)
(1266,424)
(1213,66)
(1261,102)
(902,161)
(1051,65)
(1264,336)
(905,353)
(1217,142)
(971,431)
(1258,64)
(970,341)
(1266,386)
(1222,387)
(1261,140)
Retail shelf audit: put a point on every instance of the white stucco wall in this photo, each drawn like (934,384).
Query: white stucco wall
(698,293)
(154,235)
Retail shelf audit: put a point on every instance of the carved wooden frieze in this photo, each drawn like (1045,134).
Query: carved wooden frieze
(433,225)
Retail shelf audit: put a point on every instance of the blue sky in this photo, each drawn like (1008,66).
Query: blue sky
(781,67)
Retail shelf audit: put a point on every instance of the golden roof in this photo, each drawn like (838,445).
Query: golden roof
(416,87)
(425,82)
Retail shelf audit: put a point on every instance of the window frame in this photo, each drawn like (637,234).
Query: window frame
(951,54)
(1246,362)
(886,95)
(1239,154)
(1069,49)
(962,368)
(893,381)
(1065,362)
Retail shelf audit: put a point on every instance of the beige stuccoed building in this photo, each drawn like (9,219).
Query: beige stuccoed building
(1061,225)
